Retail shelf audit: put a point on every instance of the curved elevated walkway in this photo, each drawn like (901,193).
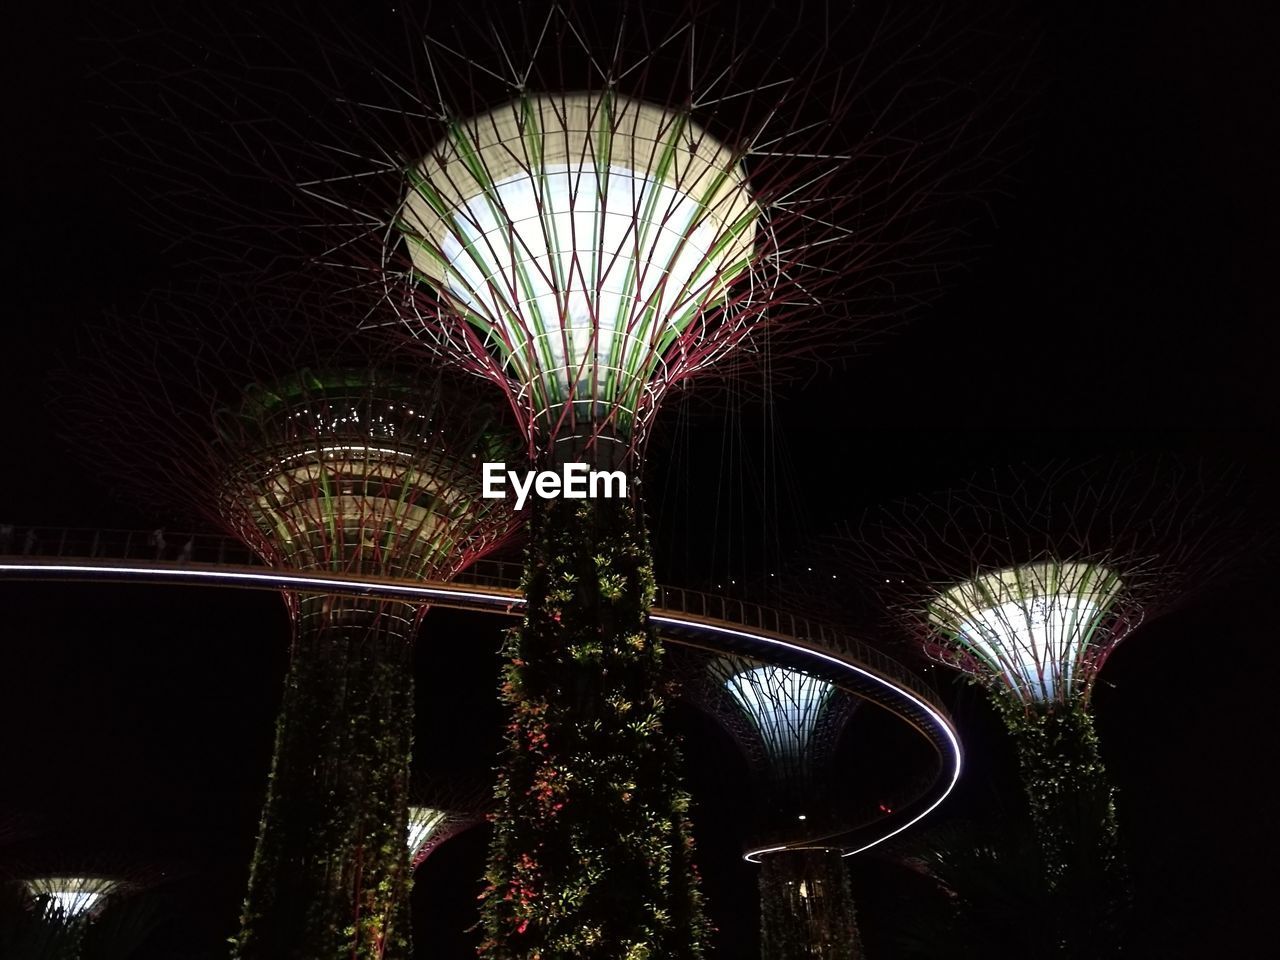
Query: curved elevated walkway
(689,617)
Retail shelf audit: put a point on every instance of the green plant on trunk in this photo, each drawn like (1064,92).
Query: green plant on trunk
(591,854)
(331,876)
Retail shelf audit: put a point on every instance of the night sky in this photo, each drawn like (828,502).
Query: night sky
(1122,299)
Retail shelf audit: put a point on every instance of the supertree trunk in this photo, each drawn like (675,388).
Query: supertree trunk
(331,874)
(1072,807)
(807,908)
(591,848)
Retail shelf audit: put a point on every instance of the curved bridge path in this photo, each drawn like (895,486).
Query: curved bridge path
(688,617)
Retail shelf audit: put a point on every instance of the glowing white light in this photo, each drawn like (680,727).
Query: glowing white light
(74,904)
(1032,624)
(784,705)
(330,451)
(580,235)
(568,251)
(424,822)
(72,896)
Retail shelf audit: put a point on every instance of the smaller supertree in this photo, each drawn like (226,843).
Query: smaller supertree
(1026,580)
(788,724)
(63,899)
(439,810)
(76,898)
(322,453)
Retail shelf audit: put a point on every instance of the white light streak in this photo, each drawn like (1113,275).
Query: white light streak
(510,601)
(940,722)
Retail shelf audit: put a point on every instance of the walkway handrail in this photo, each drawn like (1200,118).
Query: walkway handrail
(712,622)
(185,547)
(204,548)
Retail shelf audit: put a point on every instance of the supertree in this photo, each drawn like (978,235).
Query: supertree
(593,212)
(1026,580)
(269,422)
(788,724)
(440,809)
(74,897)
(77,904)
(586,242)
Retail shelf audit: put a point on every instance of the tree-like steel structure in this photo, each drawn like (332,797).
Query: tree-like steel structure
(75,904)
(442,808)
(587,239)
(320,453)
(1026,580)
(788,724)
(595,211)
(74,897)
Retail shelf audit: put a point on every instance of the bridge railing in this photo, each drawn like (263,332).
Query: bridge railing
(165,546)
(133,545)
(731,610)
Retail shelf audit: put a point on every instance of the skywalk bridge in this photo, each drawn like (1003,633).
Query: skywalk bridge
(688,617)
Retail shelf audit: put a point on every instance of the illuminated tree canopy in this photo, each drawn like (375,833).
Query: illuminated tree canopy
(1028,578)
(73,896)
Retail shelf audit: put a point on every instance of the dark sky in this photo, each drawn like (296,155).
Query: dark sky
(1123,299)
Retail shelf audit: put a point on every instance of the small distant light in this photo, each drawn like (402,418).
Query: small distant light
(802,817)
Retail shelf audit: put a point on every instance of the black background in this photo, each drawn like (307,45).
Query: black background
(1125,299)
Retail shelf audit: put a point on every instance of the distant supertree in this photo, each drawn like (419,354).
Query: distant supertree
(788,724)
(442,808)
(78,906)
(322,454)
(588,211)
(74,897)
(1026,580)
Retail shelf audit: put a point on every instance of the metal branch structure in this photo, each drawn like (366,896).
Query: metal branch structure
(74,897)
(321,454)
(586,240)
(788,723)
(65,893)
(1026,580)
(592,205)
(581,238)
(440,810)
(588,211)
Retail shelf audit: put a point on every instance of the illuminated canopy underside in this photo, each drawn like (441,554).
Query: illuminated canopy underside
(1031,626)
(73,896)
(424,822)
(582,237)
(429,827)
(784,706)
(362,485)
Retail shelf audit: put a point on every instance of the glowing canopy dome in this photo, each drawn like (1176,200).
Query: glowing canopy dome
(73,896)
(784,706)
(361,473)
(424,822)
(1031,625)
(585,238)
(431,826)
